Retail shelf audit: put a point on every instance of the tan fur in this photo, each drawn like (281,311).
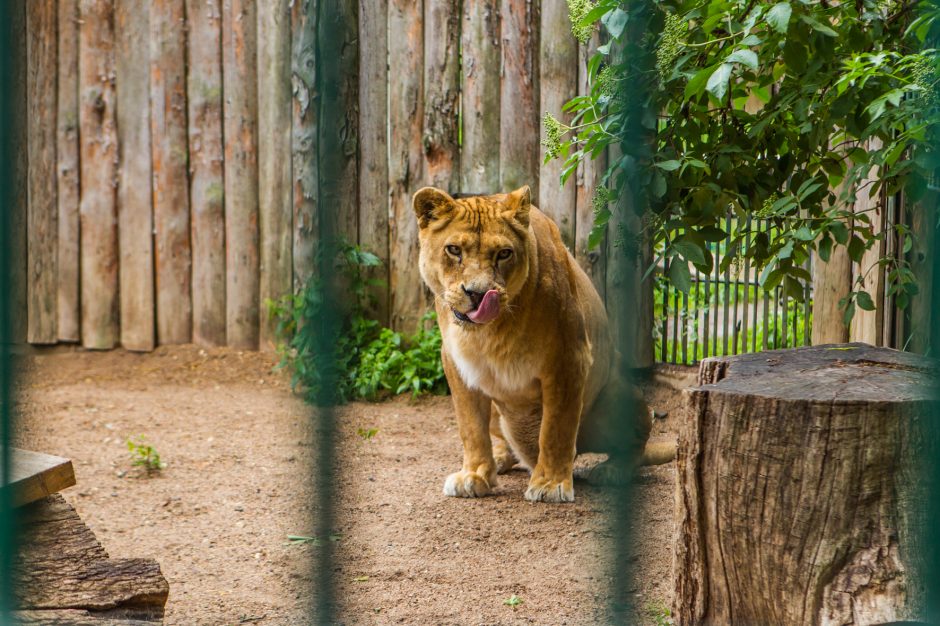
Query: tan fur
(534,385)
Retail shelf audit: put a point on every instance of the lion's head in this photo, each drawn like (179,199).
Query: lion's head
(474,251)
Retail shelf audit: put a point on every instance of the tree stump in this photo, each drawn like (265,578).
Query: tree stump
(800,496)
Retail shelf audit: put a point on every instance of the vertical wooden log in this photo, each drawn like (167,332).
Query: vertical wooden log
(206,158)
(406,112)
(589,176)
(42,278)
(274,165)
(866,326)
(304,138)
(18,125)
(558,83)
(173,256)
(338,131)
(373,151)
(923,227)
(239,30)
(98,153)
(519,96)
(135,199)
(479,155)
(832,281)
(68,303)
(441,94)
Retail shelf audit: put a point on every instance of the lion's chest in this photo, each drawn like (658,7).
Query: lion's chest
(497,374)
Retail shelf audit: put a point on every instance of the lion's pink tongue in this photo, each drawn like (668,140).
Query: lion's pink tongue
(488,309)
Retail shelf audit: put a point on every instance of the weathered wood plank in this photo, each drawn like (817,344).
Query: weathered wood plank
(173,255)
(239,62)
(98,137)
(558,83)
(60,564)
(338,131)
(519,96)
(206,156)
(304,138)
(42,277)
(18,221)
(274,166)
(406,115)
(588,179)
(923,227)
(135,200)
(373,150)
(866,326)
(34,475)
(441,94)
(68,304)
(479,154)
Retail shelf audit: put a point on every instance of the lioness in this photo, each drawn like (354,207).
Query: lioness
(526,346)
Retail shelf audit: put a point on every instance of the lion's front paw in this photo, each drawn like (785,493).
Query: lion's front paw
(505,459)
(548,490)
(464,484)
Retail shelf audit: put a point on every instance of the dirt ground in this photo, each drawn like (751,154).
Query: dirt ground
(237,446)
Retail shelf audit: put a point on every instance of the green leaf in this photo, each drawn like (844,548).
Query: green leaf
(712,233)
(689,251)
(819,26)
(804,234)
(864,301)
(840,232)
(679,275)
(669,166)
(717,83)
(779,16)
(744,57)
(825,248)
(697,83)
(615,21)
(849,314)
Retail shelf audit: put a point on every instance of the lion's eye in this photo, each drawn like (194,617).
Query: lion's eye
(503,254)
(453,250)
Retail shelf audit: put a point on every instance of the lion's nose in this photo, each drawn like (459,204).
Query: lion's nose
(476,297)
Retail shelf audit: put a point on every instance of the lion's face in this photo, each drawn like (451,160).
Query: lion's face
(474,251)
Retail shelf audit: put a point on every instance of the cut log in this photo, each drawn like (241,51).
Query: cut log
(35,475)
(479,154)
(60,565)
(135,200)
(42,277)
(274,166)
(800,498)
(204,97)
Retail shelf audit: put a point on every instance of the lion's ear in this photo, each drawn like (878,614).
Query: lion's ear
(431,204)
(520,201)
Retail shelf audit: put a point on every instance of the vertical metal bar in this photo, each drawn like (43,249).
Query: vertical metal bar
(684,325)
(766,300)
(695,324)
(675,325)
(747,283)
(756,302)
(706,314)
(784,305)
(724,338)
(717,298)
(665,291)
(737,283)
(807,296)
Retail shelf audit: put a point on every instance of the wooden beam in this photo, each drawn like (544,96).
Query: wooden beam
(35,475)
(519,96)
(135,199)
(41,65)
(373,150)
(441,94)
(206,157)
(558,83)
(67,148)
(173,254)
(405,117)
(479,155)
(98,136)
(274,166)
(305,115)
(866,326)
(239,61)
(18,221)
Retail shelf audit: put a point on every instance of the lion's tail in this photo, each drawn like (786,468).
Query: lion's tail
(658,452)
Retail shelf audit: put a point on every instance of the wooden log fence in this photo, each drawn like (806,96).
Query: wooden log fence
(175,152)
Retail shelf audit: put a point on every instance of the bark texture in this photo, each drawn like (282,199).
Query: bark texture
(799,493)
(135,197)
(206,157)
(304,137)
(60,565)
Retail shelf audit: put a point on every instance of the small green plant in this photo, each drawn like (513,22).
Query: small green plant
(659,613)
(513,601)
(144,455)
(301,540)
(372,361)
(367,433)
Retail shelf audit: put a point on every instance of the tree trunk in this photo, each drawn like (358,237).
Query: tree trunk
(799,498)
